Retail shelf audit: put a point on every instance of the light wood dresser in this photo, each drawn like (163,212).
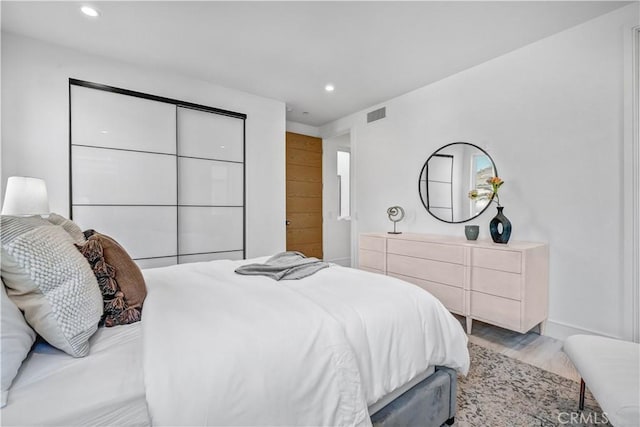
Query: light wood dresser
(505,285)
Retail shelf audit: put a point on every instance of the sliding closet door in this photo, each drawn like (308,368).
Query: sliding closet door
(211,186)
(163,177)
(123,175)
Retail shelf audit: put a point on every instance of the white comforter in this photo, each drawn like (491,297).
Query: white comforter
(225,349)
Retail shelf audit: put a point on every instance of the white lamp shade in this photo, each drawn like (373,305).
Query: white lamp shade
(25,196)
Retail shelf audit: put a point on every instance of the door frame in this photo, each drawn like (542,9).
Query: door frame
(351,131)
(631,183)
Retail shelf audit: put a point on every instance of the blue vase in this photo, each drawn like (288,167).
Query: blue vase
(497,235)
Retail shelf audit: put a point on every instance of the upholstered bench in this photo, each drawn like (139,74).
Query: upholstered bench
(611,370)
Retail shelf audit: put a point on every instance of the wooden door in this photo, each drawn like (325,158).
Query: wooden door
(304,194)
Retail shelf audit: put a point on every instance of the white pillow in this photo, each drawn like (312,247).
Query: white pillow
(17,338)
(49,279)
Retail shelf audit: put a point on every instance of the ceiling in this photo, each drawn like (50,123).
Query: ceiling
(370,51)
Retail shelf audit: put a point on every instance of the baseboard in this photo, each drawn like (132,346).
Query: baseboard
(345,262)
(562,331)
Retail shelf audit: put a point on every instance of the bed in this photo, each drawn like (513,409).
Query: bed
(341,347)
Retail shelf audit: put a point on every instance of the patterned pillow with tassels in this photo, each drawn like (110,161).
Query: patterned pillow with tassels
(120,280)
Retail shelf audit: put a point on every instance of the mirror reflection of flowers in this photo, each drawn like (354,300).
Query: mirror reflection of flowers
(495,182)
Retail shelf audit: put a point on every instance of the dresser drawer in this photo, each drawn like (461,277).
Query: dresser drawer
(434,251)
(451,297)
(496,310)
(497,259)
(371,259)
(372,243)
(434,271)
(495,282)
(370,270)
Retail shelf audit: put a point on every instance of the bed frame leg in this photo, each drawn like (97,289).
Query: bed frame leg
(450,421)
(581,404)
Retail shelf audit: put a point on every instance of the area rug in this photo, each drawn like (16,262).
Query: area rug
(503,392)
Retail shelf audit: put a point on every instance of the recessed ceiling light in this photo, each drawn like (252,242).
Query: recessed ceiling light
(89,11)
(329,87)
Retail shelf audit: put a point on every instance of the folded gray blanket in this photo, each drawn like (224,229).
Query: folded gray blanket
(285,266)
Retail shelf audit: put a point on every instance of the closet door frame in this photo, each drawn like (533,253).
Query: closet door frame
(177,103)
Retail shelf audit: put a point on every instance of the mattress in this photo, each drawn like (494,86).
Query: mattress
(104,388)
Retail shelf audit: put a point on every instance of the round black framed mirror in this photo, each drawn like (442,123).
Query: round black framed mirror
(448,176)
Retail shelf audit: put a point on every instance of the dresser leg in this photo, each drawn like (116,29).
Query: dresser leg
(469,324)
(542,326)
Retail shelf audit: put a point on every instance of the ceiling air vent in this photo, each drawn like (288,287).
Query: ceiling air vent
(378,114)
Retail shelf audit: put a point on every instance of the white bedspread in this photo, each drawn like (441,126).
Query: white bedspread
(225,349)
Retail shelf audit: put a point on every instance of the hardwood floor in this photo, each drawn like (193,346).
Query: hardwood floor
(541,351)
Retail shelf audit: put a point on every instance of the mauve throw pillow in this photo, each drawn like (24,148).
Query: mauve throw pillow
(119,277)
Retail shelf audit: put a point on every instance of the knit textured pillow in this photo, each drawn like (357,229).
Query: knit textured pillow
(50,282)
(69,226)
(119,277)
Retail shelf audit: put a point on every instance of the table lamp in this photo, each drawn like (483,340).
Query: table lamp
(25,196)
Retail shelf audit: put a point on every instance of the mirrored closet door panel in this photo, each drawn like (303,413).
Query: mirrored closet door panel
(233,255)
(211,136)
(210,229)
(118,177)
(210,182)
(101,118)
(146,232)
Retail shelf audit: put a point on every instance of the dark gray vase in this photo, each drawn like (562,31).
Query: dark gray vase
(471,231)
(497,235)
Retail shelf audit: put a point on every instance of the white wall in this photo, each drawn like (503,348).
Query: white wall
(303,129)
(336,233)
(551,116)
(35,134)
